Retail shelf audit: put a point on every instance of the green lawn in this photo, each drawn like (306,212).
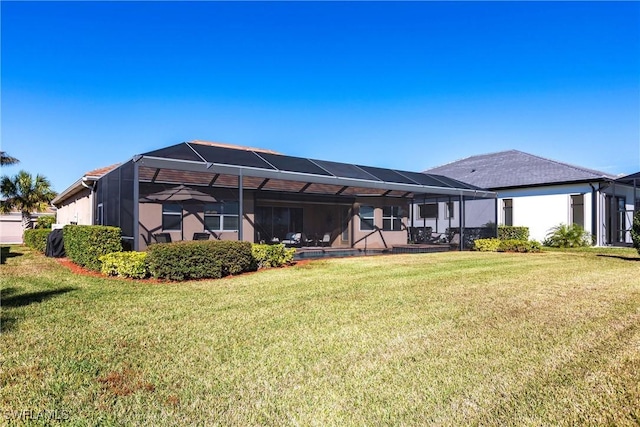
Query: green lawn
(458,338)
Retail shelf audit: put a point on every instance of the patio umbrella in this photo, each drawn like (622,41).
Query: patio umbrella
(180,193)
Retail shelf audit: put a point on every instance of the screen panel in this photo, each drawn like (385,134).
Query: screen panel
(179,151)
(293,164)
(387,175)
(345,170)
(230,156)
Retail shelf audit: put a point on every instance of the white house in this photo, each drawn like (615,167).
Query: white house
(541,193)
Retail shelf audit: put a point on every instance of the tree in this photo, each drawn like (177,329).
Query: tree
(6,159)
(24,194)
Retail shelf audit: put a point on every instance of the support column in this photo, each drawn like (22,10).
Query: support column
(240,208)
(136,207)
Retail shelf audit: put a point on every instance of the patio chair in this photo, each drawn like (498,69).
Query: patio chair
(201,236)
(162,237)
(326,240)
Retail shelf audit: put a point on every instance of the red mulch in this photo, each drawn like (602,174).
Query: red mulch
(76,269)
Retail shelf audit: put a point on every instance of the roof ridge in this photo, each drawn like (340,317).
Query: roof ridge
(232,146)
(576,167)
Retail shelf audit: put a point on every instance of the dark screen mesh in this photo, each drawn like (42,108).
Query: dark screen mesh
(126,199)
(345,170)
(386,175)
(229,156)
(293,164)
(179,151)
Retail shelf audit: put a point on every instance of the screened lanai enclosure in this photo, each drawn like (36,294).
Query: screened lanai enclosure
(196,190)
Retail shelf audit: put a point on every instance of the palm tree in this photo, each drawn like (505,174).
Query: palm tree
(6,159)
(26,195)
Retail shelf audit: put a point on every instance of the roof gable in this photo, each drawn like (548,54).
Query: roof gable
(515,168)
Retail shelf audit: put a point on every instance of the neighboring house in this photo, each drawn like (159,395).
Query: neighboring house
(541,193)
(242,193)
(76,204)
(11,225)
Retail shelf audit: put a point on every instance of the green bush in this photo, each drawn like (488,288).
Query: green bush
(635,231)
(509,232)
(46,221)
(36,239)
(486,245)
(516,245)
(199,259)
(567,236)
(85,244)
(266,256)
(125,264)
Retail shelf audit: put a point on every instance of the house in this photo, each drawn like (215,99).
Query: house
(541,193)
(249,194)
(76,204)
(11,225)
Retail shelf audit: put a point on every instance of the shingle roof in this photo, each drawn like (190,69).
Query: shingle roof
(515,168)
(101,171)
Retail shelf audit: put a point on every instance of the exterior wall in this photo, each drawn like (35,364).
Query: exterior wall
(76,209)
(11,226)
(379,238)
(542,208)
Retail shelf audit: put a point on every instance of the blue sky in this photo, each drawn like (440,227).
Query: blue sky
(401,85)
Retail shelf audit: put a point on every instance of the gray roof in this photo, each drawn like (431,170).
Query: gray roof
(514,168)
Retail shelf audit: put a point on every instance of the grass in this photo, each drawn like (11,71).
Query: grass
(428,339)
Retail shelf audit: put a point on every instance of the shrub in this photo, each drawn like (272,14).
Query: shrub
(85,244)
(199,259)
(36,239)
(516,245)
(266,256)
(635,231)
(508,232)
(125,264)
(486,245)
(46,221)
(567,236)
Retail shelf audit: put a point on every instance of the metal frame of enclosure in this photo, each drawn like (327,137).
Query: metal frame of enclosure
(267,175)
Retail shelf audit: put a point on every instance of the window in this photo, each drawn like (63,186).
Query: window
(221,216)
(172,217)
(99,216)
(449,210)
(577,209)
(366,218)
(391,219)
(507,211)
(429,210)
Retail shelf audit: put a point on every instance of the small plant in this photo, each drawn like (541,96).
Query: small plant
(517,245)
(267,256)
(45,222)
(567,236)
(635,231)
(125,264)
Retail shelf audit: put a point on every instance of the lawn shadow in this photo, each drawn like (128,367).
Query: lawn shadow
(12,300)
(625,258)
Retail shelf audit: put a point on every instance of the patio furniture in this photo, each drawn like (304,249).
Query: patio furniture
(294,239)
(201,236)
(326,240)
(162,237)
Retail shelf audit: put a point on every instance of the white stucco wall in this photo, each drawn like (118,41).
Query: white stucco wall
(542,208)
(76,209)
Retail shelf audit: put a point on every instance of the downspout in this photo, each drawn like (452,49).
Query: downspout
(91,198)
(594,214)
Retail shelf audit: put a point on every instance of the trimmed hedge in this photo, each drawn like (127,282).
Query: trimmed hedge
(509,245)
(486,245)
(515,245)
(267,256)
(36,238)
(125,264)
(508,232)
(85,244)
(46,221)
(199,259)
